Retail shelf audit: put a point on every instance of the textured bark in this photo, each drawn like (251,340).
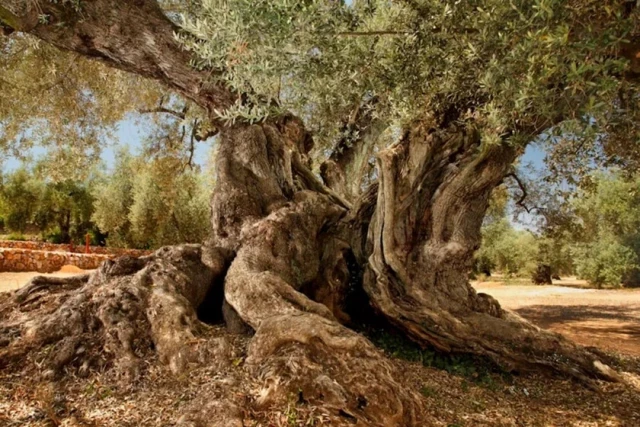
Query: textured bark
(347,169)
(288,282)
(434,190)
(542,275)
(128,310)
(133,36)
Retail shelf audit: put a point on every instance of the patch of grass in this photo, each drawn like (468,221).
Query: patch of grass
(16,236)
(473,368)
(427,391)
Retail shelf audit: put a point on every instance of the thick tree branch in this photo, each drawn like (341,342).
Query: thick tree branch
(347,166)
(315,184)
(132,36)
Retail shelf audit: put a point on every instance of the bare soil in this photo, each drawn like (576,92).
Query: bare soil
(13,281)
(607,319)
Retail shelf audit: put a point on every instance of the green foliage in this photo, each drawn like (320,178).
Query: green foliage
(143,204)
(20,195)
(594,233)
(61,211)
(64,211)
(607,239)
(149,204)
(113,198)
(16,236)
(64,102)
(506,249)
(557,253)
(604,261)
(516,67)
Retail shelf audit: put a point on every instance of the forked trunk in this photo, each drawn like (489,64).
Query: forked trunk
(282,253)
(289,279)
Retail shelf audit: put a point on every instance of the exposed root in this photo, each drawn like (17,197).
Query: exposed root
(319,361)
(299,348)
(128,310)
(34,288)
(488,330)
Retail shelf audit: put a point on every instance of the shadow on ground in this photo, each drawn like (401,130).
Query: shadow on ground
(604,326)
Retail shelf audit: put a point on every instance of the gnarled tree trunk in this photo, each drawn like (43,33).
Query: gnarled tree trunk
(285,252)
(433,193)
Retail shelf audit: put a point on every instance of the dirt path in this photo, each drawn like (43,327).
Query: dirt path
(608,319)
(12,281)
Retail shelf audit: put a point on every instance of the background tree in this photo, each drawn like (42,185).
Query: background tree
(20,196)
(590,230)
(510,251)
(64,212)
(151,204)
(607,240)
(59,211)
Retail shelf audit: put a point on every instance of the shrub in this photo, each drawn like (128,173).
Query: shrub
(604,262)
(17,236)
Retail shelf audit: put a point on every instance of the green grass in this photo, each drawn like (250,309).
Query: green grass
(473,368)
(16,236)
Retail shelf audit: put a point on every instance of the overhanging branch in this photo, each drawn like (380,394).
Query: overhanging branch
(521,201)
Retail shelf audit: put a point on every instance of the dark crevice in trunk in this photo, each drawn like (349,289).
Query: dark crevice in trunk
(210,309)
(214,309)
(357,303)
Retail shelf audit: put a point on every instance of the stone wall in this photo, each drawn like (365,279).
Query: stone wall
(18,260)
(43,257)
(45,246)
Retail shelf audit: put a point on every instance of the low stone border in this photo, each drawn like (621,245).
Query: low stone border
(45,246)
(22,260)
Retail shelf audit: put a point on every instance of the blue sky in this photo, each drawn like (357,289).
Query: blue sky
(130,134)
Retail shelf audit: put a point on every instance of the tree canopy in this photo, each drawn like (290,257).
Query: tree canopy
(519,69)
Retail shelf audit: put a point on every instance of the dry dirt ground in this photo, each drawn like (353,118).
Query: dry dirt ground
(455,393)
(13,281)
(607,319)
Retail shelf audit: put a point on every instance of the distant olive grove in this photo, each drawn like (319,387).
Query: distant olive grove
(141,203)
(593,234)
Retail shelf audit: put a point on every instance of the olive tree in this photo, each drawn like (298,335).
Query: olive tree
(412,111)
